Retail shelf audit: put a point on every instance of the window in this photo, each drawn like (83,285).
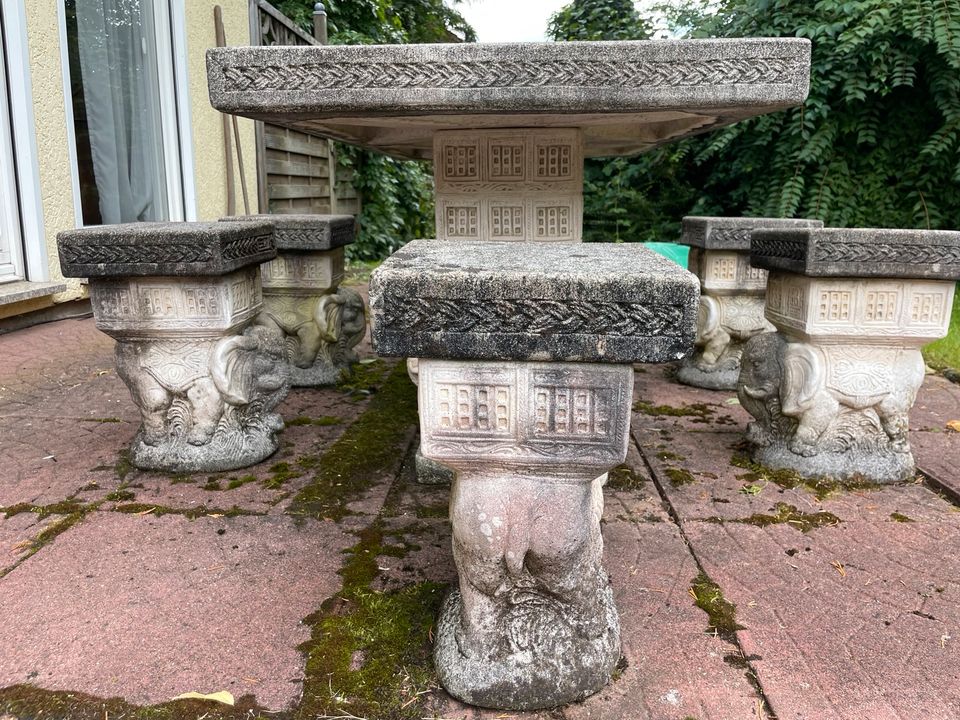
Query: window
(125,115)
(11,244)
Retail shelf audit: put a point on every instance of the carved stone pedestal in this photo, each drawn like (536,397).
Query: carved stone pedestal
(320,323)
(731,295)
(533,623)
(831,391)
(180,299)
(525,387)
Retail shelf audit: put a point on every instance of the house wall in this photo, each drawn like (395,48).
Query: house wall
(44,37)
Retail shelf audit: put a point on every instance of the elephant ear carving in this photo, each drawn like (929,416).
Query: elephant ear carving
(327,317)
(708,316)
(802,378)
(223,367)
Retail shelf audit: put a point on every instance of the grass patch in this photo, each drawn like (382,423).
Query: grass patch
(945,353)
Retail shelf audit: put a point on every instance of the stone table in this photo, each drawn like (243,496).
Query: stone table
(302,299)
(831,390)
(731,295)
(180,299)
(525,389)
(508,125)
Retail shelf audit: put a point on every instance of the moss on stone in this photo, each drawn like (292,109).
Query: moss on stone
(365,378)
(679,477)
(822,487)
(371,444)
(698,410)
(280,473)
(238,482)
(189,513)
(101,420)
(121,495)
(322,421)
(790,515)
(623,477)
(900,517)
(722,613)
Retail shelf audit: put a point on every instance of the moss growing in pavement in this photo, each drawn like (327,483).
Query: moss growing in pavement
(900,518)
(369,654)
(790,515)
(790,479)
(623,477)
(322,421)
(722,614)
(189,513)
(366,449)
(698,410)
(280,473)
(679,477)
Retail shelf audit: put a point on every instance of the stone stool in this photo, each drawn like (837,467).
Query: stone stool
(525,388)
(832,389)
(180,299)
(731,295)
(320,323)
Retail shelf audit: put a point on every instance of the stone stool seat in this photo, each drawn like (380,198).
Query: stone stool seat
(832,388)
(525,389)
(731,295)
(180,299)
(320,322)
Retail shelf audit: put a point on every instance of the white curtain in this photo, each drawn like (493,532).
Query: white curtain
(118,60)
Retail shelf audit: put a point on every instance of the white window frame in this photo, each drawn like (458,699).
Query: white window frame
(169,25)
(27,214)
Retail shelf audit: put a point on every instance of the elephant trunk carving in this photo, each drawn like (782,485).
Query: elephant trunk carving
(816,399)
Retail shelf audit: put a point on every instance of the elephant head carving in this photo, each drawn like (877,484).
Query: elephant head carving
(814,398)
(342,321)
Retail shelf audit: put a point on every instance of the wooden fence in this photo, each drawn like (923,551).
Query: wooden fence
(297,172)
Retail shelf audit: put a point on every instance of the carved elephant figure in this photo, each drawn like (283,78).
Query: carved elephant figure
(812,384)
(521,543)
(342,321)
(190,384)
(722,320)
(317,331)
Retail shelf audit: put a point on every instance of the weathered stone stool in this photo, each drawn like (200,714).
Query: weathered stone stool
(832,389)
(180,299)
(525,388)
(321,323)
(731,295)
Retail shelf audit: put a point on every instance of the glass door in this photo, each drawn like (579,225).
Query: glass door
(124,110)
(11,243)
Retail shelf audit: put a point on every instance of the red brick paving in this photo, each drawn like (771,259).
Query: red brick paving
(173,606)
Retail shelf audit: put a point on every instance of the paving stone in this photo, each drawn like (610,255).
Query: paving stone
(17,533)
(146,608)
(661,402)
(875,641)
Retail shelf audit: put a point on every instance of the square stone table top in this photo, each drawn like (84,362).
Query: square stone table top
(626,96)
(164,249)
(732,233)
(305,232)
(481,300)
(859,252)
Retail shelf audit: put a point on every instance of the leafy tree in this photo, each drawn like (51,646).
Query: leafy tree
(621,202)
(599,20)
(397,195)
(876,144)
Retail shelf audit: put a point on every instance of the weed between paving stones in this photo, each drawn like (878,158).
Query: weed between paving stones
(697,410)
